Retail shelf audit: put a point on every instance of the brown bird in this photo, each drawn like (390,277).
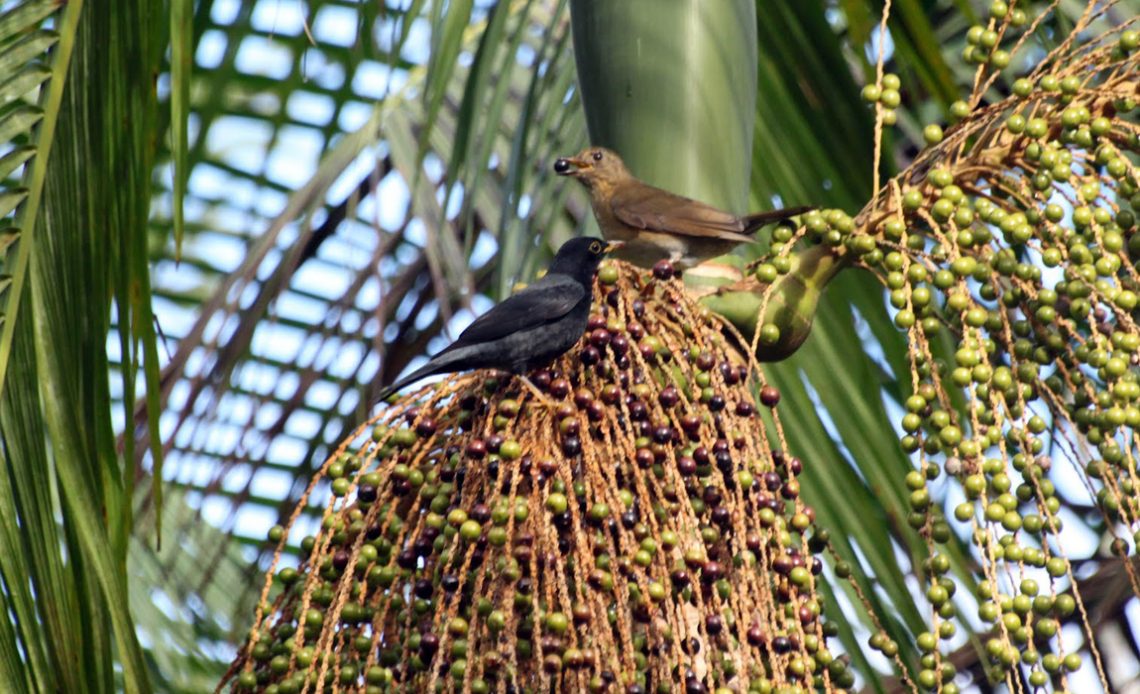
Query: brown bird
(656,224)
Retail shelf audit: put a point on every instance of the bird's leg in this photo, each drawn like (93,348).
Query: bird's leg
(538,394)
(747,284)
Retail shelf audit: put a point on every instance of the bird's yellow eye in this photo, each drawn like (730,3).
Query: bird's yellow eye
(597,156)
(595,247)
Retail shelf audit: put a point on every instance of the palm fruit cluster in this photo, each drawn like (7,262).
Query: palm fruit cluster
(640,530)
(1009,253)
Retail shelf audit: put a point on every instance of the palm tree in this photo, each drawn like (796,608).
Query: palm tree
(430,165)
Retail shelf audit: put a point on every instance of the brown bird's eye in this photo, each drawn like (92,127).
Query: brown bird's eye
(597,156)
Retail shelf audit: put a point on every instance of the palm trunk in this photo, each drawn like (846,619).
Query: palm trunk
(671,86)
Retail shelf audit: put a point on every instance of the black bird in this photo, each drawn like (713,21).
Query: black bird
(529,329)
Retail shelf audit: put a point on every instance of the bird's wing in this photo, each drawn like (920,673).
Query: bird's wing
(642,206)
(548,299)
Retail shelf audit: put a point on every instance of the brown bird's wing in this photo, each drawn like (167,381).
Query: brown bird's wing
(642,206)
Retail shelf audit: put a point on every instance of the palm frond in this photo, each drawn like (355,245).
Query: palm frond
(77,248)
(28,116)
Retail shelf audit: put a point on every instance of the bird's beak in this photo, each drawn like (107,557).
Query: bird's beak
(569,166)
(614,245)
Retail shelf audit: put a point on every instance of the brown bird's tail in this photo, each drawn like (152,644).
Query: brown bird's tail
(752,222)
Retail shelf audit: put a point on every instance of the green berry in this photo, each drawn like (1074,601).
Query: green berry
(556,503)
(769,334)
(510,450)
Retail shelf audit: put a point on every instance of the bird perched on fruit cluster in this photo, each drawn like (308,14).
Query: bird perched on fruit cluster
(529,329)
(654,223)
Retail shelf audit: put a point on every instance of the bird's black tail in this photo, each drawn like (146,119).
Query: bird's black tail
(753,222)
(424,371)
(455,357)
